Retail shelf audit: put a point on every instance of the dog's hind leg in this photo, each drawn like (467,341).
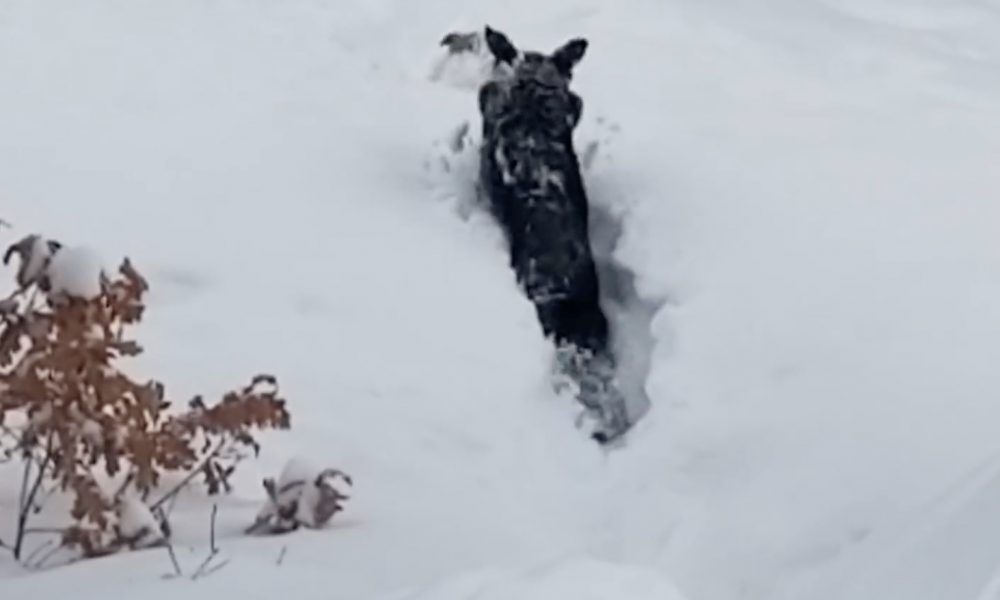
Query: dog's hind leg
(584,356)
(594,378)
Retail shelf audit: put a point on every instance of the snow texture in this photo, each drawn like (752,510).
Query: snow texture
(302,496)
(137,523)
(76,272)
(582,579)
(464,62)
(797,199)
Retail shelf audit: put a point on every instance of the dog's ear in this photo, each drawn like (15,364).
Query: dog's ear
(501,47)
(570,53)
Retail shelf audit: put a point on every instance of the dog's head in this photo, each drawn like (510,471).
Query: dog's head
(550,70)
(532,82)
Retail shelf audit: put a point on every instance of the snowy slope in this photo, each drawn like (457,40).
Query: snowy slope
(261,177)
(830,355)
(807,196)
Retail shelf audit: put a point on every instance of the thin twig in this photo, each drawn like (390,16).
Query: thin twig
(44,496)
(125,483)
(23,498)
(215,512)
(215,568)
(173,559)
(34,553)
(170,509)
(203,569)
(8,431)
(36,530)
(43,560)
(28,498)
(281,556)
(191,475)
(164,522)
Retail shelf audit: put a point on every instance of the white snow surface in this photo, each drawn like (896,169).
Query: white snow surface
(584,579)
(75,272)
(137,522)
(807,192)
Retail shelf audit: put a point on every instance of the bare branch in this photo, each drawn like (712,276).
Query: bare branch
(28,497)
(195,471)
(173,560)
(216,568)
(215,512)
(43,560)
(22,500)
(34,553)
(76,413)
(37,530)
(125,483)
(203,569)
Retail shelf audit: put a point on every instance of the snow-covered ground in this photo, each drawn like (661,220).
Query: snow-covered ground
(807,196)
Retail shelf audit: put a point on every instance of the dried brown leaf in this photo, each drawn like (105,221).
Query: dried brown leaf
(58,369)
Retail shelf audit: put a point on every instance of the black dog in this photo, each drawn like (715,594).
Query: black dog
(530,172)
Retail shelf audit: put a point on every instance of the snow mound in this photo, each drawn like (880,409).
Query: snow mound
(464,61)
(138,524)
(303,496)
(76,272)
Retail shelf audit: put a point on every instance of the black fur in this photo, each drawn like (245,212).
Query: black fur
(530,172)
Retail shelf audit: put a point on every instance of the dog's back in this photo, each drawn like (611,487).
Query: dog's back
(532,176)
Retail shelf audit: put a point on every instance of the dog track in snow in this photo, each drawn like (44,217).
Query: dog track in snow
(629,312)
(630,315)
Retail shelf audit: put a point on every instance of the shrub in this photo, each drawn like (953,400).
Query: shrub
(83,427)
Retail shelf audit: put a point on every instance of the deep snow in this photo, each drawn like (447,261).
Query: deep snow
(806,193)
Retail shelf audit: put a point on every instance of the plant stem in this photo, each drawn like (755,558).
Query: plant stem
(187,479)
(28,497)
